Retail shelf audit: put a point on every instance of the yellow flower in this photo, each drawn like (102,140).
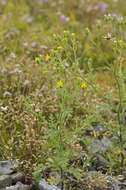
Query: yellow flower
(60,84)
(83,85)
(47,57)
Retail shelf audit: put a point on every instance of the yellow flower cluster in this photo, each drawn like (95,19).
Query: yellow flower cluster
(60,84)
(83,85)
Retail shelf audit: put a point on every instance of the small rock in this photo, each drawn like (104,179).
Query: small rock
(5,180)
(123,185)
(113,183)
(99,163)
(99,128)
(19,186)
(43,185)
(7,167)
(101,146)
(121,178)
(116,184)
(17,177)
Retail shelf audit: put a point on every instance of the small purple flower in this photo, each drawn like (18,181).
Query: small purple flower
(34,44)
(103,6)
(3,2)
(98,6)
(42,1)
(64,19)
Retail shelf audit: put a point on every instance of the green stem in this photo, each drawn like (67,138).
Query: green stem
(120,110)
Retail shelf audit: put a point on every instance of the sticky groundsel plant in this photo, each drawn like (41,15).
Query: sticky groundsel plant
(60,137)
(118,70)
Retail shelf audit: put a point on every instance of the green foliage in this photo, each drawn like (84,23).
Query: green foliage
(62,89)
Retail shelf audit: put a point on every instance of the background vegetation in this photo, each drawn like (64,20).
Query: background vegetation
(63,88)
